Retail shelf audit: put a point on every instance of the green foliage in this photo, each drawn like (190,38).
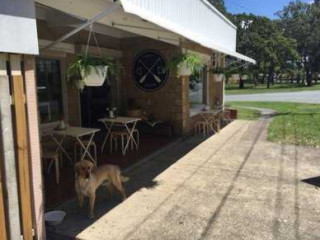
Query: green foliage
(81,66)
(194,62)
(300,21)
(264,40)
(219,4)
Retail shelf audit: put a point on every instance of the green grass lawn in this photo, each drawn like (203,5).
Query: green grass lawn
(233,89)
(295,123)
(246,114)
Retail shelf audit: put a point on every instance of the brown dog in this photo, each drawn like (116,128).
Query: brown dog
(89,178)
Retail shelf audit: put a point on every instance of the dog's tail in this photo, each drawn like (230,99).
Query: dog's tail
(124,179)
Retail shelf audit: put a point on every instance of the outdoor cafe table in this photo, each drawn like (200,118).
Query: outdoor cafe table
(209,116)
(76,133)
(124,121)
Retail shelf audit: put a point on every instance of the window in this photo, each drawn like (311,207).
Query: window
(198,91)
(49,90)
(198,87)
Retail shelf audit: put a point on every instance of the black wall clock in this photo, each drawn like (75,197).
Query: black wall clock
(149,70)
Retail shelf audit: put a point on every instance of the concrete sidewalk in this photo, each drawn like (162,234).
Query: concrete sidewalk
(235,185)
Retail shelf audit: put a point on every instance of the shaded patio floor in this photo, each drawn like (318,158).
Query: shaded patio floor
(234,185)
(57,194)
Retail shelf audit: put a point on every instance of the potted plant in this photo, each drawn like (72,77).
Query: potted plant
(184,64)
(220,74)
(90,71)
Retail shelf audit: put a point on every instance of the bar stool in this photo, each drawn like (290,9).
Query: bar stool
(86,142)
(53,158)
(115,136)
(136,136)
(215,122)
(202,127)
(226,116)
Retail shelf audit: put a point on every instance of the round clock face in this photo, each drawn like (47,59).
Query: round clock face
(149,71)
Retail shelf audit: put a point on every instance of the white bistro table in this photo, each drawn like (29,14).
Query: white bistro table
(76,133)
(209,116)
(120,121)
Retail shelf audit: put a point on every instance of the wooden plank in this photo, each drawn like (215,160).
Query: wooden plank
(9,161)
(33,128)
(3,229)
(22,147)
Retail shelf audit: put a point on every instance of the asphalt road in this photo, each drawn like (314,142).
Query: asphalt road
(300,97)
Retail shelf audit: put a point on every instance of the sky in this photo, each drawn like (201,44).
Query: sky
(259,7)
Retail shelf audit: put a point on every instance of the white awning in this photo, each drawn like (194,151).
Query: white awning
(170,21)
(197,21)
(18,27)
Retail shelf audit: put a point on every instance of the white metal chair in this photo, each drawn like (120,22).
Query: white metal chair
(85,142)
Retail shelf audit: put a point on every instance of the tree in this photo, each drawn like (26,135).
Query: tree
(300,21)
(219,4)
(264,40)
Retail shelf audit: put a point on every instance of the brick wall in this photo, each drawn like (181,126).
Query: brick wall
(171,102)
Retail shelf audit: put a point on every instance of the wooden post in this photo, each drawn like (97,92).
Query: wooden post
(3,229)
(22,145)
(33,123)
(8,157)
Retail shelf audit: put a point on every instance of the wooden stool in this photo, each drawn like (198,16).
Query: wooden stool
(53,158)
(86,142)
(202,127)
(226,116)
(215,122)
(137,138)
(115,135)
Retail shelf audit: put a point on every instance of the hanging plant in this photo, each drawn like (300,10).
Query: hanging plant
(222,72)
(184,64)
(90,71)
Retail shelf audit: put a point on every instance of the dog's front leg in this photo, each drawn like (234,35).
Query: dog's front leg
(80,199)
(92,198)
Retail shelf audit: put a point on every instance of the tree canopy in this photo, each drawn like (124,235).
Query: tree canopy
(219,4)
(287,45)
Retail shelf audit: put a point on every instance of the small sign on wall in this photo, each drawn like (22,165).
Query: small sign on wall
(149,70)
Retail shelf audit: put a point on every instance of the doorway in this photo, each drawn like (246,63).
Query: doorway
(94,101)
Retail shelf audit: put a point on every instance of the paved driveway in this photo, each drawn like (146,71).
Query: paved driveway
(301,97)
(235,185)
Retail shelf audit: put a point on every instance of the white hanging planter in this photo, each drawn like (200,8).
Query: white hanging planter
(183,70)
(96,77)
(219,77)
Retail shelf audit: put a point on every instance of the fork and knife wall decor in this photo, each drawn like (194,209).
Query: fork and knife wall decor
(149,70)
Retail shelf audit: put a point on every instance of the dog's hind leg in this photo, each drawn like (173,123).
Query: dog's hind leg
(118,185)
(110,188)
